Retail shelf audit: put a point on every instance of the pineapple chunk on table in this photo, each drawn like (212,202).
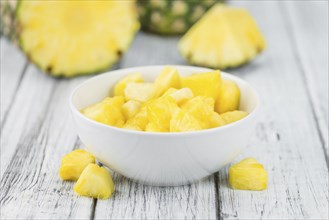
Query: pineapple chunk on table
(74,163)
(95,182)
(248,174)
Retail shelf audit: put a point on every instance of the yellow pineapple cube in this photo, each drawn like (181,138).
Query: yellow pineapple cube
(95,182)
(107,111)
(169,91)
(233,116)
(248,174)
(168,78)
(74,163)
(139,91)
(152,127)
(215,120)
(159,112)
(121,85)
(184,121)
(182,95)
(139,121)
(130,108)
(229,97)
(204,84)
(132,127)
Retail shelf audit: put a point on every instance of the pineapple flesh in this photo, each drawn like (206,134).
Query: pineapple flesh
(248,174)
(233,116)
(74,163)
(224,37)
(229,97)
(141,92)
(168,78)
(68,38)
(95,182)
(121,85)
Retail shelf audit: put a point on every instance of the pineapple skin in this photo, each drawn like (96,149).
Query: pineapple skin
(95,182)
(248,174)
(171,17)
(74,163)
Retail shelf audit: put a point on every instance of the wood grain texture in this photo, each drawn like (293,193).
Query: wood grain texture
(135,201)
(311,51)
(287,141)
(37,134)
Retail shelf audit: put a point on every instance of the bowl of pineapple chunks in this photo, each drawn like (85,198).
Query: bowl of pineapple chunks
(165,125)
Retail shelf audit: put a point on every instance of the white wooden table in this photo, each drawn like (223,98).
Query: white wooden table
(291,138)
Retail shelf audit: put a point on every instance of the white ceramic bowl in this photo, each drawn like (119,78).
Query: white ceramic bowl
(161,158)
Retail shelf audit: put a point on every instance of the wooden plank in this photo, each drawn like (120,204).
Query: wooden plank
(286,141)
(135,201)
(12,70)
(310,34)
(37,134)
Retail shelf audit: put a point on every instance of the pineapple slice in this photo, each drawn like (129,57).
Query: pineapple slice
(233,116)
(107,111)
(168,78)
(95,182)
(184,121)
(229,97)
(121,85)
(139,121)
(248,174)
(85,36)
(74,163)
(139,91)
(159,112)
(204,84)
(224,37)
(130,108)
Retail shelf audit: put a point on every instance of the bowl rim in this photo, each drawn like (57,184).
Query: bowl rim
(249,117)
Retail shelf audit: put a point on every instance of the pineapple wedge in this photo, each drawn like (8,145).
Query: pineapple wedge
(130,108)
(121,85)
(233,116)
(107,111)
(204,84)
(95,182)
(224,37)
(139,91)
(160,111)
(168,78)
(184,121)
(229,97)
(74,163)
(248,174)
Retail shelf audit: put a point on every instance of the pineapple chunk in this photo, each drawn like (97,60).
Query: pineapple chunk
(202,108)
(233,116)
(248,174)
(224,37)
(204,84)
(95,182)
(152,127)
(132,127)
(159,112)
(168,78)
(107,111)
(139,121)
(184,121)
(121,85)
(130,108)
(179,95)
(169,91)
(229,97)
(139,91)
(74,163)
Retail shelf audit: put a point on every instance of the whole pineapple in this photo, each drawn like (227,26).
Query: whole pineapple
(171,16)
(68,38)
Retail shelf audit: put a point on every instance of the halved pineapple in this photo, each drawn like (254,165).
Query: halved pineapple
(182,120)
(74,163)
(107,111)
(160,111)
(248,174)
(168,78)
(130,108)
(204,84)
(232,116)
(67,38)
(95,182)
(229,97)
(224,37)
(139,91)
(121,85)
